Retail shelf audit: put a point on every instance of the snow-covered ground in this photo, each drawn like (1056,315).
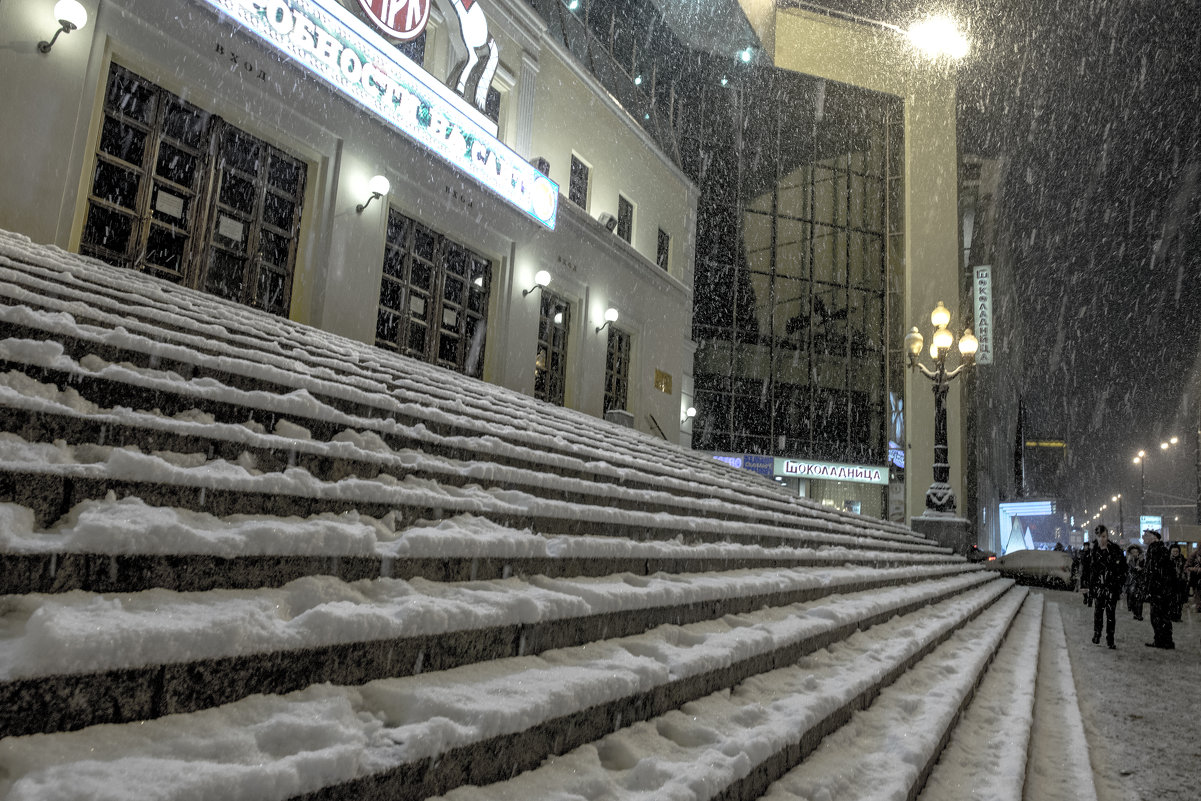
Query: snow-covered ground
(1141,706)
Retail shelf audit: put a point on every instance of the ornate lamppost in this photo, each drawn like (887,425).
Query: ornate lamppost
(940,498)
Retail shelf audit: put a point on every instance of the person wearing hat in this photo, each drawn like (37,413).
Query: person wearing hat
(1107,574)
(1161,588)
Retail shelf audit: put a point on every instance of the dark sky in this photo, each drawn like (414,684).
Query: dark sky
(1096,109)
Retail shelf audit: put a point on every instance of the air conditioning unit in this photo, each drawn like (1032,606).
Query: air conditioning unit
(541,164)
(609,221)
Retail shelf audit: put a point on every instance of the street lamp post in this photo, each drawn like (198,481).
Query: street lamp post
(1141,461)
(940,498)
(1118,500)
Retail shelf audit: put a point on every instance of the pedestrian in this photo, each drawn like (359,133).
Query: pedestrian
(1107,574)
(1180,596)
(1161,588)
(1085,582)
(1136,585)
(1193,568)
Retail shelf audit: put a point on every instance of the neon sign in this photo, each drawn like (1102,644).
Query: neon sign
(330,42)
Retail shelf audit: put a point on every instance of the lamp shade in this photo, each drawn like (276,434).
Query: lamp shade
(968,343)
(379,185)
(914,342)
(542,278)
(943,339)
(690,412)
(71,12)
(610,315)
(940,317)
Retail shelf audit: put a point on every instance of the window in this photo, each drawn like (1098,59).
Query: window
(433,299)
(182,195)
(663,251)
(550,366)
(577,187)
(625,219)
(617,370)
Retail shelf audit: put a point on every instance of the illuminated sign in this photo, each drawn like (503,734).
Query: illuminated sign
(1150,523)
(983,309)
(404,19)
(896,455)
(329,41)
(752,462)
(830,471)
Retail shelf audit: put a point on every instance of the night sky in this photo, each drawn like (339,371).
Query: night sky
(1096,109)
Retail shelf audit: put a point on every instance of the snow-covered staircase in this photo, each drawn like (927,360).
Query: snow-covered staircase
(243,558)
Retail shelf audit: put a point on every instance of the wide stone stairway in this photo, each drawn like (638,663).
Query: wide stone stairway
(242,558)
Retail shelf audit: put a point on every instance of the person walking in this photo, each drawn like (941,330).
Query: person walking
(1135,581)
(1107,575)
(1086,553)
(1193,568)
(1180,596)
(1161,587)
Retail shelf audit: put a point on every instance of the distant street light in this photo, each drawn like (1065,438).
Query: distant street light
(1118,500)
(1141,460)
(940,498)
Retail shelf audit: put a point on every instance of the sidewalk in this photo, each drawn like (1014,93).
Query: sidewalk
(1141,706)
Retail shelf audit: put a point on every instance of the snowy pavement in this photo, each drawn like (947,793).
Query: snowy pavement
(1140,705)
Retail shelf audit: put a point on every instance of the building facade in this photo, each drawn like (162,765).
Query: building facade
(800,167)
(234,147)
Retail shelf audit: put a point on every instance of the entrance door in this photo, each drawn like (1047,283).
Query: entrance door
(183,195)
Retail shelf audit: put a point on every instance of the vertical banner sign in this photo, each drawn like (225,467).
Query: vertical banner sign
(983,307)
(333,44)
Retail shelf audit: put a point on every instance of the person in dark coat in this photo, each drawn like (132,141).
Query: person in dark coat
(1107,575)
(1161,589)
(1135,584)
(1086,555)
(1176,608)
(1193,568)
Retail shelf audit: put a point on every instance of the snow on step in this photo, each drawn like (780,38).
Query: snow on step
(359,448)
(985,759)
(534,416)
(79,632)
(708,745)
(1059,768)
(896,739)
(130,526)
(272,747)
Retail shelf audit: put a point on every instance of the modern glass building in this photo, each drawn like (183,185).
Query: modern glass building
(800,236)
(824,152)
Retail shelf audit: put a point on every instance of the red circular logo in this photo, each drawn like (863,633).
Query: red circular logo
(404,19)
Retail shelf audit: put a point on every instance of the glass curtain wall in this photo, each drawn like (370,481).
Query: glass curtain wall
(799,246)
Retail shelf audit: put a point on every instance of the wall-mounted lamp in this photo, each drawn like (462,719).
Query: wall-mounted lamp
(610,317)
(541,279)
(378,186)
(689,413)
(608,220)
(71,16)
